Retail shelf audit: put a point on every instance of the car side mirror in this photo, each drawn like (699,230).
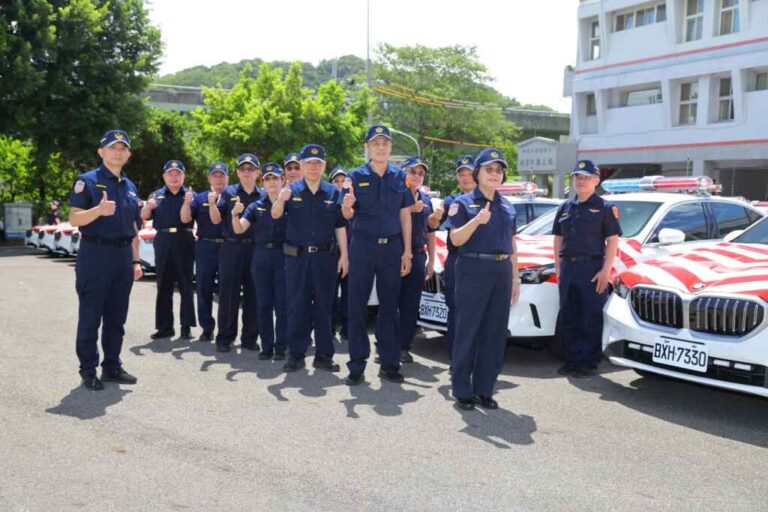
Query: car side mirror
(669,236)
(733,234)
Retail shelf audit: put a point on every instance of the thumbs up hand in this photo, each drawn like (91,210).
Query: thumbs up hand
(285,194)
(212,197)
(238,208)
(418,206)
(439,209)
(484,215)
(189,196)
(349,198)
(152,202)
(106,207)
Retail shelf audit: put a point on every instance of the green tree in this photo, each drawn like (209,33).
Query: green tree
(273,114)
(15,164)
(70,70)
(443,93)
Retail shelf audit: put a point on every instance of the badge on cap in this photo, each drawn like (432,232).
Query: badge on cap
(314,151)
(119,136)
(379,129)
(453,209)
(465,161)
(79,186)
(293,158)
(218,166)
(247,159)
(582,165)
(615,211)
(174,164)
(494,154)
(269,168)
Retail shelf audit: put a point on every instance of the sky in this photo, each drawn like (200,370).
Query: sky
(525,44)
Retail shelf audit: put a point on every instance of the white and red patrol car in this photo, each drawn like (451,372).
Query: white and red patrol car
(63,239)
(698,315)
(46,237)
(146,247)
(32,238)
(655,222)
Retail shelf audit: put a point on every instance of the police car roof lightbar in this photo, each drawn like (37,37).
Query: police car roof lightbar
(661,183)
(522,188)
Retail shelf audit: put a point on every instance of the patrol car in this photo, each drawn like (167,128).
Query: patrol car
(529,205)
(146,247)
(63,239)
(32,238)
(657,215)
(46,236)
(697,315)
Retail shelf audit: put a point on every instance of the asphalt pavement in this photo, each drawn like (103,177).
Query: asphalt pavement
(209,431)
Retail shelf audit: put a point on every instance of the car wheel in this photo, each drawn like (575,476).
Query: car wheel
(555,344)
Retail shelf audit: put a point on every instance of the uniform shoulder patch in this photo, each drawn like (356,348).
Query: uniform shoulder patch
(615,210)
(79,186)
(453,209)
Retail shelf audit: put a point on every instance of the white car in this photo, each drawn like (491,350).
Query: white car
(653,223)
(62,239)
(697,315)
(146,247)
(32,238)
(46,237)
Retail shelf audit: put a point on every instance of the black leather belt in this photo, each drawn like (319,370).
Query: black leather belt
(239,240)
(114,242)
(270,245)
(483,256)
(581,257)
(295,250)
(212,240)
(175,230)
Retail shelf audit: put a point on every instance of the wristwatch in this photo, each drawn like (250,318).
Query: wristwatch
(136,262)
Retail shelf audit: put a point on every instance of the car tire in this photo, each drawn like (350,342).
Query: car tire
(555,345)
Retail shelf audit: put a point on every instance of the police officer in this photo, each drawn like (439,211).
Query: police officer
(587,231)
(341,297)
(174,251)
(104,205)
(235,260)
(380,205)
(464,167)
(424,222)
(292,168)
(54,215)
(315,232)
(483,227)
(268,263)
(207,248)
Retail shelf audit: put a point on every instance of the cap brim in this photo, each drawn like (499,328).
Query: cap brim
(313,158)
(222,171)
(337,174)
(279,175)
(583,173)
(425,166)
(173,169)
(499,160)
(466,166)
(127,144)
(252,163)
(369,139)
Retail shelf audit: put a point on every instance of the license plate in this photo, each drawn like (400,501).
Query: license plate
(683,354)
(433,310)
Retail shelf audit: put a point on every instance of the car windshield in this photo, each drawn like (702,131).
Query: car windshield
(633,216)
(757,234)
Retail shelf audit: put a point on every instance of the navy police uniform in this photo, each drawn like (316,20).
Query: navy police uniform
(174,256)
(235,268)
(207,249)
(268,271)
(584,227)
(311,263)
(104,270)
(449,268)
(376,251)
(341,296)
(483,289)
(412,284)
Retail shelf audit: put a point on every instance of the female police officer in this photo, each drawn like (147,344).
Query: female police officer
(482,226)
(268,263)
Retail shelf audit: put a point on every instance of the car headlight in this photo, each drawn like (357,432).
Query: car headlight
(620,288)
(537,275)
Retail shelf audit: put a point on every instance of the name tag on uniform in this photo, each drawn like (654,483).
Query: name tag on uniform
(474,206)
(594,211)
(296,199)
(233,199)
(363,184)
(205,204)
(132,193)
(160,197)
(261,209)
(329,202)
(100,185)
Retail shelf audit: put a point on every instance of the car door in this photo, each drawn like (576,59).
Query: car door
(690,217)
(729,217)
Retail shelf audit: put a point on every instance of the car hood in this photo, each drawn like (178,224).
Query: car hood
(718,267)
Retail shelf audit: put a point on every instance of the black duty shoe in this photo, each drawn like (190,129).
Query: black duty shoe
(223,348)
(486,402)
(406,357)
(93,383)
(186,333)
(465,404)
(567,369)
(327,364)
(250,346)
(120,376)
(354,379)
(294,364)
(392,376)
(266,355)
(585,371)
(163,333)
(207,336)
(279,355)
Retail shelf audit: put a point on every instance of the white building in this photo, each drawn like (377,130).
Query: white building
(674,87)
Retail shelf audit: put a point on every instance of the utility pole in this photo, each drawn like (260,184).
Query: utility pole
(368,54)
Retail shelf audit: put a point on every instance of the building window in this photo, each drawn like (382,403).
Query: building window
(689,95)
(761,81)
(640,97)
(625,21)
(591,105)
(729,17)
(640,17)
(594,40)
(661,13)
(694,19)
(726,100)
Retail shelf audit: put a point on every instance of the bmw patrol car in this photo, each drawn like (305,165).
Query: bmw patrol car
(697,315)
(654,221)
(146,247)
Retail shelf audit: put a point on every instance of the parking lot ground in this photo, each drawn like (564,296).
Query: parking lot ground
(209,431)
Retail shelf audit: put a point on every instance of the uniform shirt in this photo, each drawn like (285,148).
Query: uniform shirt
(313,218)
(87,192)
(200,213)
(420,222)
(495,237)
(168,211)
(227,200)
(585,226)
(265,228)
(447,202)
(379,200)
